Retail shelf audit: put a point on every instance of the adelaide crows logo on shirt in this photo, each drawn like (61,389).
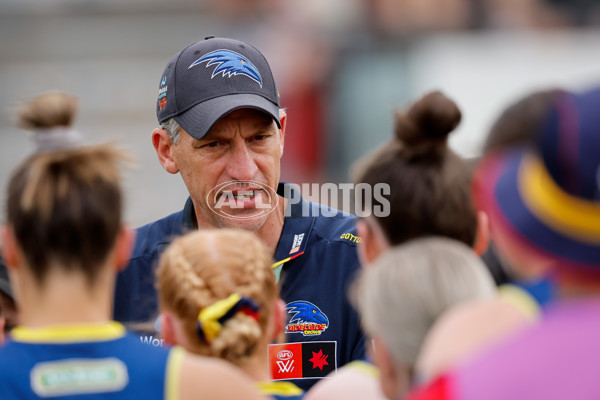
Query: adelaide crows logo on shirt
(305,318)
(229,63)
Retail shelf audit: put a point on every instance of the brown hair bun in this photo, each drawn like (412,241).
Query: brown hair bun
(428,121)
(47,111)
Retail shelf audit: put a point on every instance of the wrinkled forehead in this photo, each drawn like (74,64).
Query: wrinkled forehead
(245,119)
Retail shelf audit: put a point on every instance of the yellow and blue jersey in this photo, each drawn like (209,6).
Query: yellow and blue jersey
(85,361)
(280,390)
(364,367)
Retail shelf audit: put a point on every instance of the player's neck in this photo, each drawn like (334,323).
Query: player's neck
(65,298)
(256,368)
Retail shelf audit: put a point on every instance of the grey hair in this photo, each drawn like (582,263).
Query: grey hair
(407,288)
(173,129)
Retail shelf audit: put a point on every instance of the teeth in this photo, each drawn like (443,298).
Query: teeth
(246,195)
(242,194)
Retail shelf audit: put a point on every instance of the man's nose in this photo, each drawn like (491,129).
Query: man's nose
(241,165)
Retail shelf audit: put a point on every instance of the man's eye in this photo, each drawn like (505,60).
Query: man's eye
(211,144)
(260,137)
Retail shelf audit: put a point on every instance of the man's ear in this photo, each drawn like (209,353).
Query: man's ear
(10,252)
(123,247)
(162,144)
(283,120)
(482,236)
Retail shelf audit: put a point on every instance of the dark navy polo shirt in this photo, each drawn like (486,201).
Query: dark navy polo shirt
(317,261)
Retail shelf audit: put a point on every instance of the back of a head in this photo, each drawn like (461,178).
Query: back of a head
(206,266)
(542,195)
(520,123)
(429,183)
(419,280)
(64,201)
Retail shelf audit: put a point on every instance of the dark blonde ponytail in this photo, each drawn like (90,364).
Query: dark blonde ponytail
(64,202)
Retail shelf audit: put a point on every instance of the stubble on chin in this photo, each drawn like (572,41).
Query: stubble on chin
(218,221)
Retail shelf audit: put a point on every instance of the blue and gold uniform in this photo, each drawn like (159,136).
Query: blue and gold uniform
(316,260)
(280,390)
(85,361)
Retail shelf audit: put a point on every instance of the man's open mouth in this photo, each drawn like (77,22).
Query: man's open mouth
(242,199)
(242,194)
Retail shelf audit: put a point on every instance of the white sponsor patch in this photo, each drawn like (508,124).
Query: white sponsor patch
(78,376)
(297,242)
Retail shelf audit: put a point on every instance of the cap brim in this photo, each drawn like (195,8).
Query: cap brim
(198,120)
(526,205)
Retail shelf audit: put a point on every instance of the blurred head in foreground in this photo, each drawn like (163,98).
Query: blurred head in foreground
(543,204)
(63,207)
(405,290)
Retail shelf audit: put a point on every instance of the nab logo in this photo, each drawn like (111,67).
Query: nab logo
(285,362)
(319,360)
(301,360)
(306,318)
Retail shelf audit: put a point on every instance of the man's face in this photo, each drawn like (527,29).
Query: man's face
(226,172)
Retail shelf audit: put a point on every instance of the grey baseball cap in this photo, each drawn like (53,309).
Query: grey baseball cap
(211,78)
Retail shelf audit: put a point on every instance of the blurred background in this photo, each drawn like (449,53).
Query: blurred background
(341,67)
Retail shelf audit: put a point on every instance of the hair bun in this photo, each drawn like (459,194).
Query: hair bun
(433,117)
(47,111)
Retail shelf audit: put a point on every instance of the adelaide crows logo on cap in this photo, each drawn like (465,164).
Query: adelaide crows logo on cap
(306,318)
(229,63)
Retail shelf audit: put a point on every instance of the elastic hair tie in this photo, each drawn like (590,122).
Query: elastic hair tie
(212,317)
(56,138)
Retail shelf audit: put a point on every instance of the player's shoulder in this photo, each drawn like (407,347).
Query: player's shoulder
(337,227)
(9,351)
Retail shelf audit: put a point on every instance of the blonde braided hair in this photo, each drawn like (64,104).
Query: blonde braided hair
(205,266)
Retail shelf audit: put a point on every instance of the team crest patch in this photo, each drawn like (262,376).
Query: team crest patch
(305,318)
(229,63)
(302,360)
(78,376)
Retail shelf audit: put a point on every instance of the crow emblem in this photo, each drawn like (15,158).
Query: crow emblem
(229,63)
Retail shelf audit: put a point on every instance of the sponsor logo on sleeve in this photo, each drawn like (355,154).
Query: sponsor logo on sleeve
(302,360)
(297,242)
(351,238)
